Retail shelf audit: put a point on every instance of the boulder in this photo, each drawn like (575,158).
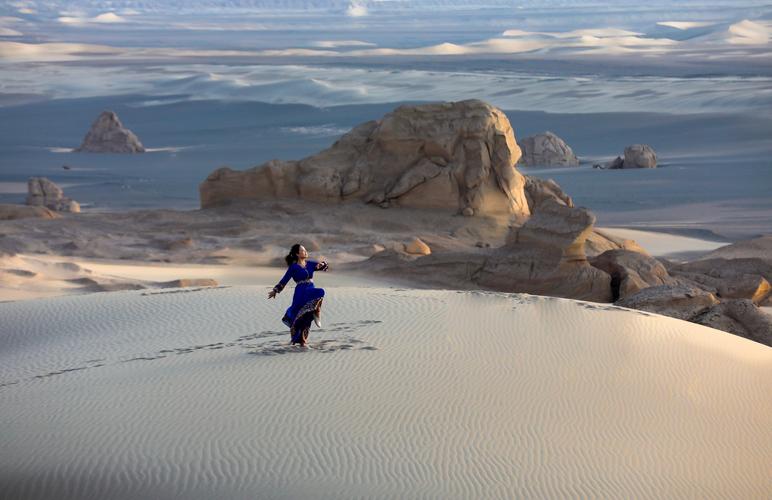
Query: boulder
(546,256)
(12,212)
(640,156)
(546,150)
(457,156)
(740,317)
(108,135)
(41,192)
(631,272)
(678,301)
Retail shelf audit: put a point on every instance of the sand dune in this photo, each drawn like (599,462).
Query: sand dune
(195,394)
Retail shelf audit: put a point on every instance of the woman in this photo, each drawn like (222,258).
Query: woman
(307,300)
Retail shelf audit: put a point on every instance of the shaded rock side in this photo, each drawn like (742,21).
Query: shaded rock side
(740,317)
(41,192)
(459,156)
(631,271)
(677,301)
(546,256)
(546,150)
(108,135)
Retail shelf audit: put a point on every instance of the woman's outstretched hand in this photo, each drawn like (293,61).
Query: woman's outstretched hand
(272,294)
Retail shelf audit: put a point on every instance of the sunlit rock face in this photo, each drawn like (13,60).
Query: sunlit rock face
(459,156)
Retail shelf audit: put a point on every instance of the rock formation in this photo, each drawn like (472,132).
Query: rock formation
(677,301)
(108,135)
(741,317)
(459,156)
(640,156)
(12,212)
(539,190)
(631,271)
(546,150)
(729,278)
(546,256)
(636,156)
(41,192)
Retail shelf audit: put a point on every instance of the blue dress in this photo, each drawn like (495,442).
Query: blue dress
(305,301)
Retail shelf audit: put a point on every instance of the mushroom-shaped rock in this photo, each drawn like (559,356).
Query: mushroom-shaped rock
(640,156)
(546,150)
(546,256)
(108,135)
(454,156)
(41,192)
(417,247)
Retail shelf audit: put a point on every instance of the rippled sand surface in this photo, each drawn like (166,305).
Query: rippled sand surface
(194,393)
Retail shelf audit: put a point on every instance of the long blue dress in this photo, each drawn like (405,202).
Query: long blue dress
(305,300)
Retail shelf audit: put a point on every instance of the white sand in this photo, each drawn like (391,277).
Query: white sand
(405,394)
(664,244)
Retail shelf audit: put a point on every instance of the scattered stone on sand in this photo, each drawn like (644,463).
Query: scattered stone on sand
(677,301)
(640,156)
(546,150)
(546,256)
(13,212)
(186,283)
(631,271)
(417,247)
(108,135)
(41,192)
(740,317)
(453,156)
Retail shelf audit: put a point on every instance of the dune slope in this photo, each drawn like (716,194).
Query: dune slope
(440,394)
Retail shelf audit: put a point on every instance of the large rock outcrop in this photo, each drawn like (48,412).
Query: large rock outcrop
(458,156)
(546,150)
(41,192)
(546,256)
(108,135)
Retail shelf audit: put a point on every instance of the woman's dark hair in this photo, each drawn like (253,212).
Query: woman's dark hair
(292,256)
